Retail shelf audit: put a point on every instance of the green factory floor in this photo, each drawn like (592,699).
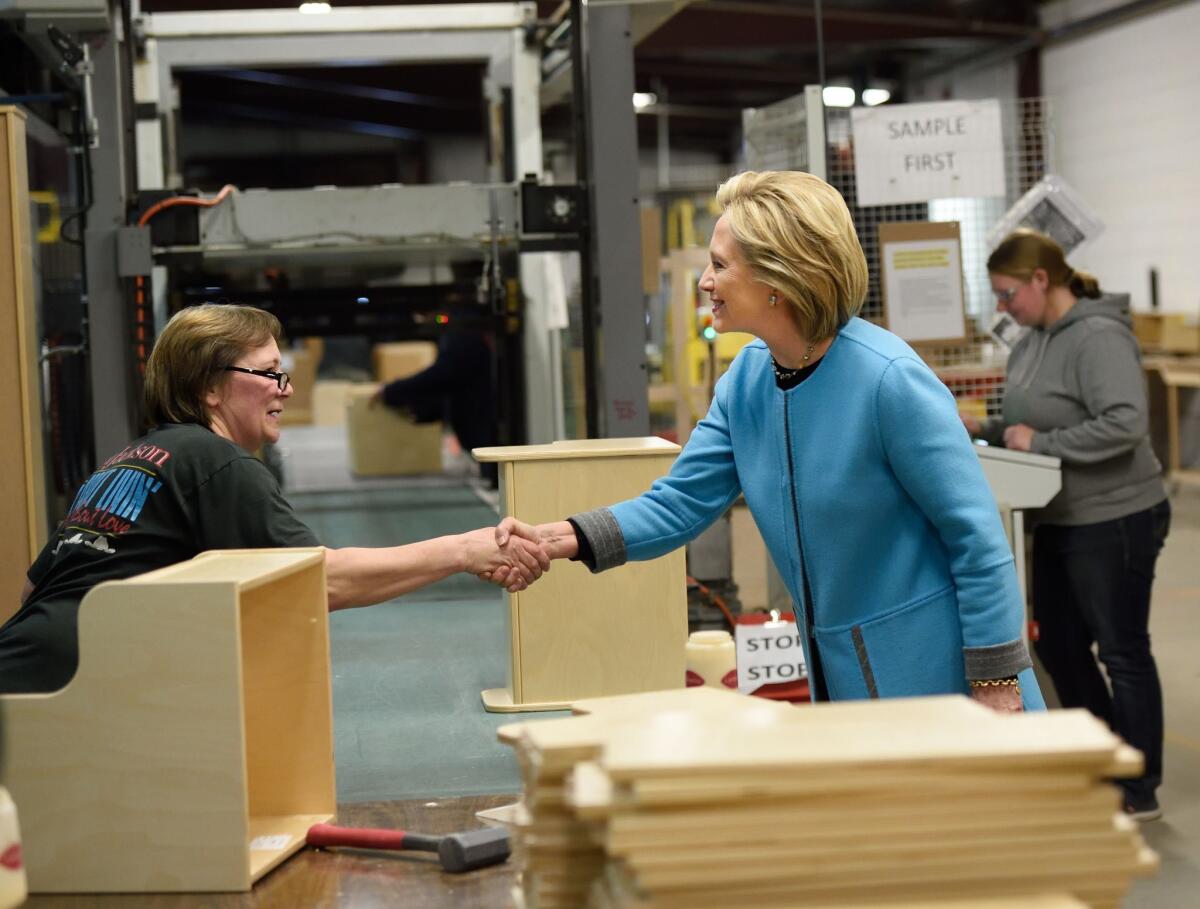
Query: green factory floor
(408,720)
(407,675)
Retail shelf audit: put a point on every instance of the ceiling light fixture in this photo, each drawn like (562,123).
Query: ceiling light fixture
(873,96)
(838,96)
(644,99)
(315,9)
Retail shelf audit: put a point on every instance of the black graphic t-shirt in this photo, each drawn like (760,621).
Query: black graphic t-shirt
(174,493)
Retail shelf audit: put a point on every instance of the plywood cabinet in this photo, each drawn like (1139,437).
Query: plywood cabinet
(385,442)
(573,634)
(193,748)
(22,482)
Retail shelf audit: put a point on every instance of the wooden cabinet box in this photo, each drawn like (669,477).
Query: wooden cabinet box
(573,634)
(384,442)
(301,366)
(1168,332)
(401,359)
(22,482)
(329,401)
(194,747)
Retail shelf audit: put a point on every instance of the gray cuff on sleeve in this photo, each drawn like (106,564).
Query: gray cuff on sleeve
(997,662)
(604,536)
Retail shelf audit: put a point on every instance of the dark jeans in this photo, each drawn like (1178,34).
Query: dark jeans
(1091,584)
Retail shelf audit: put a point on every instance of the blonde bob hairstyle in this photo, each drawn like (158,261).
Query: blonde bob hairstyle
(797,236)
(1024,251)
(191,354)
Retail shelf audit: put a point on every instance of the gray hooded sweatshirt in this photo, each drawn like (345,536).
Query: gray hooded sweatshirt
(1079,384)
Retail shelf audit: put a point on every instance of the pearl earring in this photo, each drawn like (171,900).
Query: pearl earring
(774,299)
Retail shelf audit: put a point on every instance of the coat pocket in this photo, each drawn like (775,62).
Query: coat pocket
(916,650)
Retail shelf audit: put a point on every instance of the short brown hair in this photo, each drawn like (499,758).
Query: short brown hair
(195,346)
(1024,251)
(796,234)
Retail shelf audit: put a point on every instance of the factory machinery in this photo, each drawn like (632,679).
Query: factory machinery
(101,95)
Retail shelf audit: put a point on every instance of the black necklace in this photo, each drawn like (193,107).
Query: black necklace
(783,374)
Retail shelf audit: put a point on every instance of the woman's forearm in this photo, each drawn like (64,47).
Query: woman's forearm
(358,576)
(559,540)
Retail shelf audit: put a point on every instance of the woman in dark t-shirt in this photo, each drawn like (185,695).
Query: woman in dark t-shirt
(214,388)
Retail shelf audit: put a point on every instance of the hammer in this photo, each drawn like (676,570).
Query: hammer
(457,852)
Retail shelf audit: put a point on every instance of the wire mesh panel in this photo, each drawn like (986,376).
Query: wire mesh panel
(974,370)
(776,136)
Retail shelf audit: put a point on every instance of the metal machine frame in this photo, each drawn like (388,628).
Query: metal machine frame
(132,100)
(493,33)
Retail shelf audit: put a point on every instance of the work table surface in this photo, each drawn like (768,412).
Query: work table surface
(348,877)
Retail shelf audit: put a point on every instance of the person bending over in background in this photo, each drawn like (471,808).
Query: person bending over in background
(458,386)
(852,459)
(214,389)
(1075,390)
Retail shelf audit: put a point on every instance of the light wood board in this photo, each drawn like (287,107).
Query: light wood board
(200,719)
(22,482)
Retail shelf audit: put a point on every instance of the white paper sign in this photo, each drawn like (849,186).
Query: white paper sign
(917,152)
(768,653)
(923,280)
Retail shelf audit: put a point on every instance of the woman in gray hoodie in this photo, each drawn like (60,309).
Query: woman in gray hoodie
(1075,391)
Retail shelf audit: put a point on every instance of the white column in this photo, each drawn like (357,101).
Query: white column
(543,336)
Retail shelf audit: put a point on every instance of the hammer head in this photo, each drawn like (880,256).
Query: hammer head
(474,849)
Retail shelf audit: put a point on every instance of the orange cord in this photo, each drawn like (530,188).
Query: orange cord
(716,601)
(139,292)
(185,200)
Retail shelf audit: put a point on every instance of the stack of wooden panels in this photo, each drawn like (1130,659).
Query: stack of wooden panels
(699,798)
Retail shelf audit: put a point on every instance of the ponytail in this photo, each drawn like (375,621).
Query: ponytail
(1024,251)
(1083,284)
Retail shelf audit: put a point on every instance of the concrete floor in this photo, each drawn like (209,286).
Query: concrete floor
(408,722)
(1175,636)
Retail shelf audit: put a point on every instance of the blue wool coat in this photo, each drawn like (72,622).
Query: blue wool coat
(865,471)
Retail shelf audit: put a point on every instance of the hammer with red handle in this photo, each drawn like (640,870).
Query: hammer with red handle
(456,851)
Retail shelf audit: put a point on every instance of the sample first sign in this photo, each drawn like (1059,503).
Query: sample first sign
(916,152)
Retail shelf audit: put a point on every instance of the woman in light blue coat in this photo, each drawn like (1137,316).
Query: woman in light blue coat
(852,460)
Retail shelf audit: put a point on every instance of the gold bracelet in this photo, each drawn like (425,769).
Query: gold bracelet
(988,683)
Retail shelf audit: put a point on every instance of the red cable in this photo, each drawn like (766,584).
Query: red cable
(716,601)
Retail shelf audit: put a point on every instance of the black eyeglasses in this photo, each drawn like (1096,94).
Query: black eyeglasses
(281,378)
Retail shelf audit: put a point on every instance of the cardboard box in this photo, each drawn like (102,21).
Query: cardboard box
(401,359)
(384,442)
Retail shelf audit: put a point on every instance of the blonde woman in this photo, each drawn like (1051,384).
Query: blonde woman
(852,459)
(1075,391)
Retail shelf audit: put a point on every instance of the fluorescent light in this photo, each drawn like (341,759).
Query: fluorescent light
(838,96)
(644,99)
(315,9)
(873,96)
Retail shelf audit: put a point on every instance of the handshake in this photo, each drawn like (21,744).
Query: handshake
(514,554)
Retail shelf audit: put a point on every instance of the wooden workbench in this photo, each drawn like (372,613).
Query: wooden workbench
(349,878)
(1175,372)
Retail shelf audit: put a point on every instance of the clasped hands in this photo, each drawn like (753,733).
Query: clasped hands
(524,551)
